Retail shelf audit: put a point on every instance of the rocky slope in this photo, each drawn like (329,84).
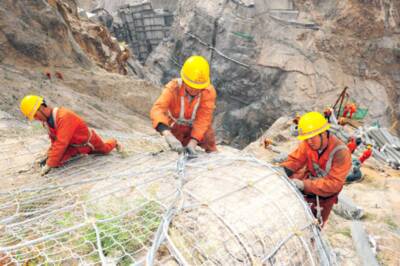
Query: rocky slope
(263,67)
(49,34)
(268,62)
(41,38)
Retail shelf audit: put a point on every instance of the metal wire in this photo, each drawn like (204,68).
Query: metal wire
(154,207)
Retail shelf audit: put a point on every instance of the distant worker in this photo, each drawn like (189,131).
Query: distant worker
(328,113)
(353,143)
(326,161)
(183,113)
(366,154)
(69,134)
(349,108)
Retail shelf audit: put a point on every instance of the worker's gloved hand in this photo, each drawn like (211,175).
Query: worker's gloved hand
(120,149)
(191,148)
(45,170)
(298,183)
(173,142)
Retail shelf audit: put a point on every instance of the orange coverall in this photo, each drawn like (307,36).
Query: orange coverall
(167,111)
(304,161)
(71,136)
(352,145)
(366,154)
(349,108)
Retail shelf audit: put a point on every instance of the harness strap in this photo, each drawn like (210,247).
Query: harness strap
(181,120)
(321,172)
(85,144)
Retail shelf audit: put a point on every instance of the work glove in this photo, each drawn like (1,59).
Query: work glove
(298,183)
(120,149)
(191,148)
(173,142)
(45,170)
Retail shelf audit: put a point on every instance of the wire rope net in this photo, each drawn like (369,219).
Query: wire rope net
(152,207)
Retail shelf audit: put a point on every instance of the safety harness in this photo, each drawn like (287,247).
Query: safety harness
(85,144)
(322,173)
(181,120)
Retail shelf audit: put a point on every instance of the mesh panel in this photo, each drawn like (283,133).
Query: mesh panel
(154,207)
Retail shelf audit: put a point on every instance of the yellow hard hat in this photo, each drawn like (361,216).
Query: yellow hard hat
(312,124)
(196,72)
(30,104)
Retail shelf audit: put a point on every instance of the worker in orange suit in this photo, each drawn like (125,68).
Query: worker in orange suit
(366,154)
(69,134)
(350,109)
(351,144)
(319,165)
(183,113)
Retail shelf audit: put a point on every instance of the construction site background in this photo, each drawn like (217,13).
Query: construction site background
(259,52)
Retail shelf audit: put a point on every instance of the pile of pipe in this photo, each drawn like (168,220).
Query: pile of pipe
(386,147)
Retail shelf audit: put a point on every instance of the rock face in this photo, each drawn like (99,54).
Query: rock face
(36,33)
(50,34)
(113,5)
(275,59)
(45,49)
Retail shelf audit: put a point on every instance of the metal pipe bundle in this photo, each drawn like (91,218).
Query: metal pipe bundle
(387,146)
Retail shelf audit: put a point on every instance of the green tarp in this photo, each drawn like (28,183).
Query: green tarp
(359,115)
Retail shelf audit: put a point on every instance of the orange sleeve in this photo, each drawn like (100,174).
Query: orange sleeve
(159,111)
(297,159)
(204,114)
(334,181)
(66,126)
